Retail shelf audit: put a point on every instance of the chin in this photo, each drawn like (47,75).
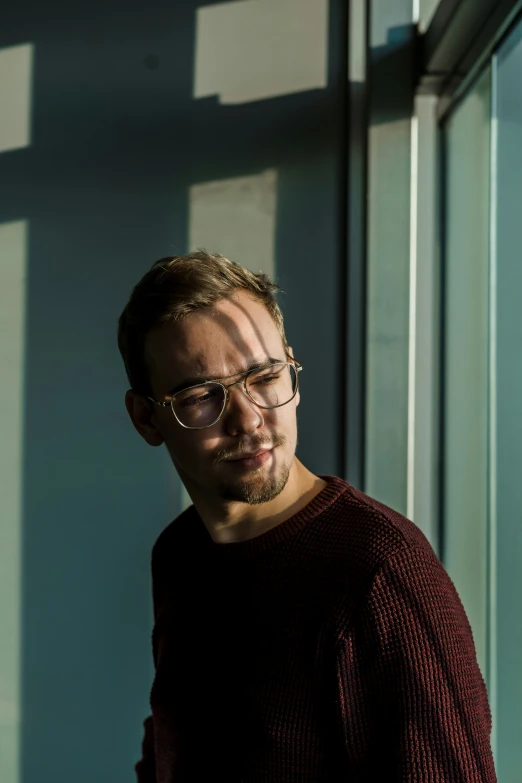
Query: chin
(257,490)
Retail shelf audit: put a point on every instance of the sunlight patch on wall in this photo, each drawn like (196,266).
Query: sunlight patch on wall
(237,218)
(16,70)
(249,50)
(13,260)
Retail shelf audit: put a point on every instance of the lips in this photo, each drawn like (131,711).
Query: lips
(251,455)
(250,461)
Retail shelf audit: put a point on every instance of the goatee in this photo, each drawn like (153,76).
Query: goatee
(259,489)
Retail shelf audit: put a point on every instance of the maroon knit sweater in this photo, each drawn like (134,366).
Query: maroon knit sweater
(334,647)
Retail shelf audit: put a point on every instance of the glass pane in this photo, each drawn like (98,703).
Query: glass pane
(507,459)
(465,365)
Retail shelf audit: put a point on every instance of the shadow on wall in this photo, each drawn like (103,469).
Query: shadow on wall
(100,189)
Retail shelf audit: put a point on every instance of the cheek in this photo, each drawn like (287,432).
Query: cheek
(189,446)
(285,421)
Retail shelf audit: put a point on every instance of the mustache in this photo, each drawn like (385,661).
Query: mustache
(248,447)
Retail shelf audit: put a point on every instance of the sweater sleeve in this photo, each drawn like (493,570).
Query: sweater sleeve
(146,766)
(412,701)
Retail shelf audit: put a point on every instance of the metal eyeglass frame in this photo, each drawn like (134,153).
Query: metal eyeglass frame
(168,403)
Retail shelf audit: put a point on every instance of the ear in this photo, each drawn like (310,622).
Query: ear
(141,416)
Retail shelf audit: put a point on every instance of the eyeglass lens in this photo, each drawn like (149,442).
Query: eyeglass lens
(269,387)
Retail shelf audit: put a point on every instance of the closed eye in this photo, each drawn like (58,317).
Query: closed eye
(266,379)
(198,399)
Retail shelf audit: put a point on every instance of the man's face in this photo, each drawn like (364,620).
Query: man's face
(214,344)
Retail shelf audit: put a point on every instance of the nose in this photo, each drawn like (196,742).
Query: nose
(242,415)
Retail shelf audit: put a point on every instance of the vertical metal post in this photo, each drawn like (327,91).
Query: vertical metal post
(423,397)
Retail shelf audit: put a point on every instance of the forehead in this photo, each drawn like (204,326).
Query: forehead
(216,341)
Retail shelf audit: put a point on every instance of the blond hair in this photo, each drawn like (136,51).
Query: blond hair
(179,285)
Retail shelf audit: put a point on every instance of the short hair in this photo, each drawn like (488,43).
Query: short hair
(176,286)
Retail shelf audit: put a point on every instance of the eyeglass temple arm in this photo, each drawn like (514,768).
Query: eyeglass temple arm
(156,402)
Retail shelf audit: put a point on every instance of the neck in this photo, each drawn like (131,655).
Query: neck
(229,522)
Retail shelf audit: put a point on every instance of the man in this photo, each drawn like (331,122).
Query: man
(302,631)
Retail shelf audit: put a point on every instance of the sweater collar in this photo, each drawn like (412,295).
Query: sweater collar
(253,547)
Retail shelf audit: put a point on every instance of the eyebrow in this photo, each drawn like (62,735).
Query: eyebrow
(194,380)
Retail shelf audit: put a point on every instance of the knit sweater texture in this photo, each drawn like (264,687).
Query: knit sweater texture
(333,647)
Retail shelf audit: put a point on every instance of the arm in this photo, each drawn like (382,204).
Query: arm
(146,767)
(412,701)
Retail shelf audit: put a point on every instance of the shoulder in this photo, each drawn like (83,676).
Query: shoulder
(388,566)
(176,540)
(365,546)
(362,530)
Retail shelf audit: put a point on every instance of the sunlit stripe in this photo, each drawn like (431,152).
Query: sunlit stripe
(16,68)
(13,253)
(237,217)
(492,522)
(274,47)
(357,44)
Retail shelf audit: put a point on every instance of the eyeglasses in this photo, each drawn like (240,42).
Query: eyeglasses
(203,405)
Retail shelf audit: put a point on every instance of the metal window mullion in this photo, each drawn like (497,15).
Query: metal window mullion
(424,365)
